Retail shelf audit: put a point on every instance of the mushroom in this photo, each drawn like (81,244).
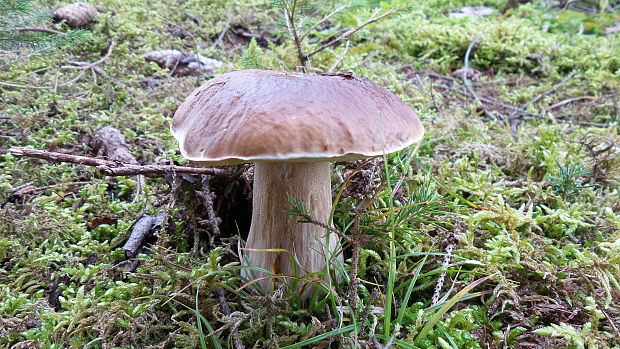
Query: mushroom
(291,125)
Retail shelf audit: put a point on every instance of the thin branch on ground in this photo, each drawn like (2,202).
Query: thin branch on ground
(570,100)
(491,101)
(373,18)
(39,29)
(220,37)
(323,20)
(520,183)
(339,60)
(552,89)
(467,84)
(289,13)
(113,168)
(30,189)
(32,87)
(234,331)
(88,66)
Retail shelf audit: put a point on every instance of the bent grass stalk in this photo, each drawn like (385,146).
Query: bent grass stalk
(392,263)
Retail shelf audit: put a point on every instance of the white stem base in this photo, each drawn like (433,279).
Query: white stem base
(275,184)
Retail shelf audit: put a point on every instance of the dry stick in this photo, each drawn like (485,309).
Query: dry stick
(87,66)
(518,183)
(570,100)
(143,227)
(26,188)
(468,85)
(113,168)
(339,60)
(39,29)
(292,29)
(220,38)
(234,331)
(366,311)
(491,101)
(355,257)
(31,87)
(323,20)
(83,66)
(555,87)
(350,32)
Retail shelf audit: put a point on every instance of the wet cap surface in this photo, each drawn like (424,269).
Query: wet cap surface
(264,116)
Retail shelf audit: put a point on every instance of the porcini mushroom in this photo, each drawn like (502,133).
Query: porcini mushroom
(291,125)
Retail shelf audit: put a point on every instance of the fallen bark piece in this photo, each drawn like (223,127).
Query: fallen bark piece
(471,11)
(110,142)
(77,14)
(143,226)
(182,64)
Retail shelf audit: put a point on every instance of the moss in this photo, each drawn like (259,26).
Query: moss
(550,242)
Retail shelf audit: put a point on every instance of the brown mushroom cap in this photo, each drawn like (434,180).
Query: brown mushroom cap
(266,116)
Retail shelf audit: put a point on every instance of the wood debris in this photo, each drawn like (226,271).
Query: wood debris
(77,14)
(182,64)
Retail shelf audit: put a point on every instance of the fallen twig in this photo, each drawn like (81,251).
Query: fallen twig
(32,87)
(491,101)
(520,183)
(28,188)
(143,226)
(159,170)
(350,32)
(113,168)
(39,29)
(570,100)
(339,59)
(555,87)
(87,66)
(487,112)
(234,331)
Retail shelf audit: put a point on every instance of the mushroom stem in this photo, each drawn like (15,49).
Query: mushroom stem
(311,245)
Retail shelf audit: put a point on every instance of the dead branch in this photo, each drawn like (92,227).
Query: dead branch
(28,188)
(87,66)
(520,183)
(208,196)
(491,101)
(339,59)
(555,87)
(373,18)
(234,331)
(61,157)
(467,84)
(570,100)
(292,28)
(113,168)
(143,226)
(159,170)
(32,87)
(39,29)
(83,66)
(323,20)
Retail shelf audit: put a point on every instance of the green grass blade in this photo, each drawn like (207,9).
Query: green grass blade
(405,301)
(392,271)
(449,304)
(199,321)
(398,342)
(325,335)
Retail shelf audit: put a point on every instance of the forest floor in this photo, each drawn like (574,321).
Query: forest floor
(504,230)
